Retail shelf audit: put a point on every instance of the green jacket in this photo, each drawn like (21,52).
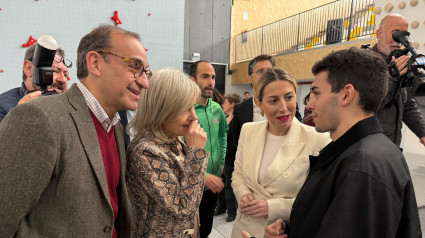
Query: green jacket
(213,120)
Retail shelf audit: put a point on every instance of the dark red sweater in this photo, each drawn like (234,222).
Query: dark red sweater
(111,162)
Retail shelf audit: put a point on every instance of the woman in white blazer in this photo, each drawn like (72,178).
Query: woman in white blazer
(272,159)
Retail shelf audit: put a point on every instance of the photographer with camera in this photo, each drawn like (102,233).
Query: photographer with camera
(399,105)
(29,90)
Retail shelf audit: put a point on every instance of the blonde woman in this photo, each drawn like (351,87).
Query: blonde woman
(272,159)
(165,176)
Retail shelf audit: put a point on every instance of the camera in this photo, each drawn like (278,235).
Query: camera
(415,76)
(44,54)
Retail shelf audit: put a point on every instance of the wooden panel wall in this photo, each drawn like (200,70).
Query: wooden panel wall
(298,64)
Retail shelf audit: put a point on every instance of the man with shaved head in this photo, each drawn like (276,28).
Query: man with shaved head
(399,105)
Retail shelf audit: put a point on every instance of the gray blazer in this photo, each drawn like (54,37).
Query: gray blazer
(52,177)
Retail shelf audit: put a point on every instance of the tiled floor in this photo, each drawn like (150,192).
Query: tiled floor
(221,228)
(416,163)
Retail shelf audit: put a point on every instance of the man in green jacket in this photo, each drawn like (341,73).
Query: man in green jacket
(212,119)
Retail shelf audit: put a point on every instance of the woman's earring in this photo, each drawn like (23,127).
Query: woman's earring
(262,113)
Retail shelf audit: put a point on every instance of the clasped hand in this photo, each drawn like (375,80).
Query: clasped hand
(253,207)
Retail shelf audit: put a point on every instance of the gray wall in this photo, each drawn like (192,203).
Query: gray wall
(207,29)
(162,32)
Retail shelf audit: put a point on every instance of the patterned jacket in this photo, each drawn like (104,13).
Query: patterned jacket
(166,182)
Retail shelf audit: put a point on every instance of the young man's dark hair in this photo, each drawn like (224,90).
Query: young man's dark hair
(353,66)
(252,63)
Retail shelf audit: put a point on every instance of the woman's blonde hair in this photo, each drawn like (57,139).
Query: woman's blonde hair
(170,94)
(272,75)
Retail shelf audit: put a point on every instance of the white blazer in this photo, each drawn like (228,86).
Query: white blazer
(285,176)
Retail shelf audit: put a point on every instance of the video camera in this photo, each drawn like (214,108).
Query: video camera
(44,54)
(415,76)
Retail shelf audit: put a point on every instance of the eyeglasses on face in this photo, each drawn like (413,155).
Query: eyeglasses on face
(65,61)
(136,66)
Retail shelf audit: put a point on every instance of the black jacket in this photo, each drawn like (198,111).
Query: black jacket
(242,113)
(358,186)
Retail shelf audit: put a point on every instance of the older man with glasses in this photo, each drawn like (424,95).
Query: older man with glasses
(63,156)
(29,90)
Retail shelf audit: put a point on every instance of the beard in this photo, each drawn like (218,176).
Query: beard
(386,49)
(206,94)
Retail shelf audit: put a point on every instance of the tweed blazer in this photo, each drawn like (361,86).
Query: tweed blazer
(52,177)
(285,176)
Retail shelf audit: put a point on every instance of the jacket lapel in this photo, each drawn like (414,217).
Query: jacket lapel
(257,138)
(88,136)
(119,135)
(287,154)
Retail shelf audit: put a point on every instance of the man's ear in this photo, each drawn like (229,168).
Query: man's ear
(250,79)
(347,94)
(93,63)
(193,79)
(28,66)
(379,34)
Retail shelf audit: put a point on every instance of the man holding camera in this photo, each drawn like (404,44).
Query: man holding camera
(62,157)
(27,91)
(399,105)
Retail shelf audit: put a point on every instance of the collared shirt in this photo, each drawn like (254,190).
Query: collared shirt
(257,112)
(97,109)
(130,115)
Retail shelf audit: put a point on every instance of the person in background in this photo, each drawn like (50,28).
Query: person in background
(272,159)
(218,97)
(230,100)
(28,90)
(212,119)
(308,118)
(165,176)
(221,201)
(399,105)
(246,96)
(247,110)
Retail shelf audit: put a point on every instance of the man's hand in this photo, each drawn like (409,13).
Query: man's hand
(401,63)
(29,97)
(276,230)
(253,207)
(214,183)
(422,140)
(196,136)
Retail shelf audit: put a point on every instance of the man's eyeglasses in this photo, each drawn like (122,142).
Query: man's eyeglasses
(65,61)
(136,66)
